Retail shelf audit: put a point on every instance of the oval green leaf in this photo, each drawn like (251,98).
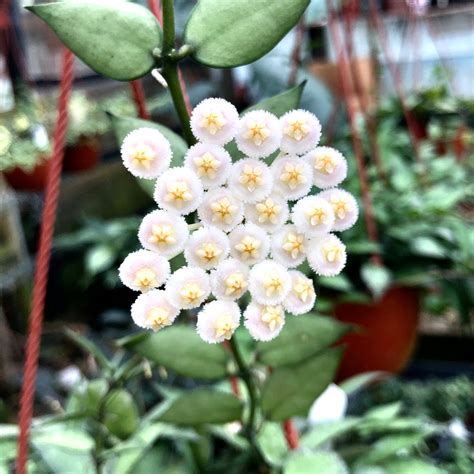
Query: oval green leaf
(301,338)
(180,349)
(121,413)
(115,39)
(229,33)
(202,406)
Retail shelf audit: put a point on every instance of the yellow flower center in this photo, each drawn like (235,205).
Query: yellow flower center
(257,132)
(251,177)
(303,289)
(162,234)
(208,252)
(272,316)
(296,129)
(332,252)
(191,293)
(340,206)
(294,244)
(292,175)
(316,215)
(223,210)
(145,278)
(143,155)
(225,326)
(213,122)
(273,284)
(235,283)
(157,318)
(268,210)
(178,193)
(248,247)
(207,165)
(325,164)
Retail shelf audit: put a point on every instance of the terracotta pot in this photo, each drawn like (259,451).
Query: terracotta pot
(34,180)
(387,332)
(82,156)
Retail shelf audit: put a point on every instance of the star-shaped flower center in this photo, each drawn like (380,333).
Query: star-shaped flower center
(143,156)
(158,317)
(248,247)
(225,326)
(223,210)
(213,121)
(303,289)
(207,165)
(208,252)
(272,284)
(272,316)
(332,252)
(251,177)
(257,132)
(235,283)
(294,244)
(191,293)
(316,215)
(268,210)
(341,207)
(162,234)
(178,193)
(145,278)
(325,164)
(296,129)
(292,175)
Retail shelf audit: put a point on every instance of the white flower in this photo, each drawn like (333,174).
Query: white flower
(230,279)
(269,282)
(301,131)
(328,165)
(144,270)
(264,323)
(301,298)
(313,216)
(249,244)
(206,247)
(292,177)
(327,255)
(152,310)
(269,213)
(211,163)
(178,190)
(250,180)
(218,320)
(188,287)
(289,246)
(331,405)
(259,134)
(146,153)
(163,232)
(214,121)
(221,209)
(345,208)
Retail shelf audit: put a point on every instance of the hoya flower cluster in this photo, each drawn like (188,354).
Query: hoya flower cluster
(244,227)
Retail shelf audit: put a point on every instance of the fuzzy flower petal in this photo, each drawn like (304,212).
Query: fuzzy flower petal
(214,121)
(289,246)
(269,282)
(249,244)
(218,320)
(163,232)
(292,177)
(146,153)
(144,270)
(206,248)
(301,131)
(152,310)
(188,287)
(345,208)
(250,180)
(301,298)
(327,255)
(313,216)
(259,134)
(328,165)
(211,163)
(230,279)
(221,209)
(178,190)
(269,213)
(264,323)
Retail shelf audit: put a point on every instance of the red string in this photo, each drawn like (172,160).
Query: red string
(139,98)
(42,263)
(291,434)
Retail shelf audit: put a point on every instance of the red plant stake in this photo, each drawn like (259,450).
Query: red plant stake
(42,263)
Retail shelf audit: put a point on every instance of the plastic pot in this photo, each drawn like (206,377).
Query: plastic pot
(82,156)
(33,180)
(386,335)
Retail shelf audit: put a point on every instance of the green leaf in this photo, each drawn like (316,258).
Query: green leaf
(121,413)
(301,337)
(90,348)
(357,382)
(237,32)
(427,247)
(281,103)
(291,390)
(385,412)
(99,259)
(180,349)
(310,463)
(411,466)
(202,406)
(376,277)
(272,444)
(115,39)
(338,282)
(324,432)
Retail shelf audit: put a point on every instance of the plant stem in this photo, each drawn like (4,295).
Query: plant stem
(170,70)
(251,388)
